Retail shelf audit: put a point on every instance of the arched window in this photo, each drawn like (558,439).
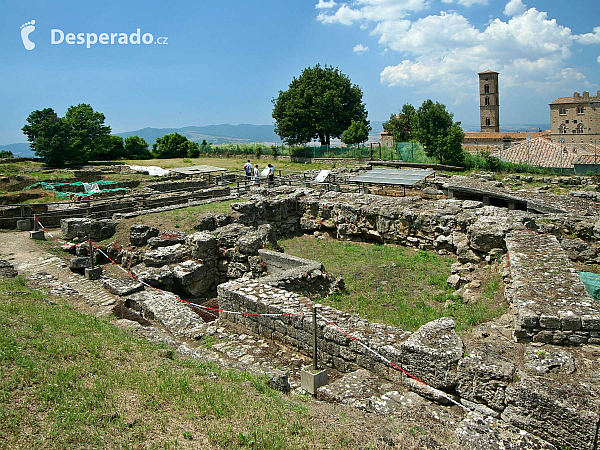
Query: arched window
(487,101)
(486,89)
(562,129)
(488,122)
(580,128)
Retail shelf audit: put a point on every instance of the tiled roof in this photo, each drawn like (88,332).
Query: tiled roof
(566,100)
(588,159)
(487,71)
(540,152)
(515,135)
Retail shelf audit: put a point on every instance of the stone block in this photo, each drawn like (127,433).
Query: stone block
(25,225)
(139,234)
(311,381)
(37,235)
(122,286)
(93,273)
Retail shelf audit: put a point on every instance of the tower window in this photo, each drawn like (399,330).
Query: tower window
(562,129)
(487,101)
(488,122)
(562,111)
(486,89)
(580,128)
(580,110)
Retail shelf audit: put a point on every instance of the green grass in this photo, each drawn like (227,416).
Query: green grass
(69,380)
(393,284)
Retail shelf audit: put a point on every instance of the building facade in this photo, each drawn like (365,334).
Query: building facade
(489,101)
(576,119)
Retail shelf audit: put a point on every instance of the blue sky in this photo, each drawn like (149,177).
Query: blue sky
(224,60)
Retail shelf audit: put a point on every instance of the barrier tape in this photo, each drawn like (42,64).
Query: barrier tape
(52,236)
(206,308)
(392,364)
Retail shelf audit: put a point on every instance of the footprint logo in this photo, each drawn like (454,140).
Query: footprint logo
(26,30)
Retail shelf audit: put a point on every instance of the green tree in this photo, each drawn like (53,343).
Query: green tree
(357,132)
(320,104)
(136,148)
(6,154)
(87,133)
(171,146)
(48,136)
(111,147)
(401,125)
(440,136)
(193,149)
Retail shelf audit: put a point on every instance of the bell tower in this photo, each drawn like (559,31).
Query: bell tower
(489,101)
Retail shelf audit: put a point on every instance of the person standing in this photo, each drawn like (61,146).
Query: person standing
(271,175)
(248,170)
(256,176)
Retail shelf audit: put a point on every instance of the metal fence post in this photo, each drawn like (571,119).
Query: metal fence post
(315,365)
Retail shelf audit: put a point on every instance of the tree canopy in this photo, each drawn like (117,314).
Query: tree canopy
(173,145)
(440,136)
(432,126)
(401,125)
(136,148)
(320,104)
(357,132)
(74,139)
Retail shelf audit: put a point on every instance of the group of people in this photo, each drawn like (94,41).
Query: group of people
(253,174)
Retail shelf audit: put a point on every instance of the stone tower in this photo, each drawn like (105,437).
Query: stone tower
(489,101)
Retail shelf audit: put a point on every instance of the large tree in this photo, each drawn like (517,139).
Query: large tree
(136,148)
(401,125)
(172,145)
(72,139)
(440,136)
(357,132)
(320,104)
(48,136)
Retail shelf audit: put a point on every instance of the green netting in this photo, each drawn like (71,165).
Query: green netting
(49,186)
(592,283)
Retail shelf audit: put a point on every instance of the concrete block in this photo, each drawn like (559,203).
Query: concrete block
(37,235)
(24,225)
(311,382)
(93,274)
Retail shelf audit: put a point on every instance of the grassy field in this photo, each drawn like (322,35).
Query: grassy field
(397,285)
(69,380)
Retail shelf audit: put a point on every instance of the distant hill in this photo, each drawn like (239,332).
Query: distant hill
(21,149)
(216,134)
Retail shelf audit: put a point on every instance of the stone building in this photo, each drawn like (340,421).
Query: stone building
(575,119)
(489,101)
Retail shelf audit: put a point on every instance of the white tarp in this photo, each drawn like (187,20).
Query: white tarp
(265,172)
(322,176)
(154,171)
(91,187)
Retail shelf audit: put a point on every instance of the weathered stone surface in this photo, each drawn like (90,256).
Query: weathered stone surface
(485,433)
(549,359)
(79,263)
(279,381)
(432,353)
(549,296)
(249,243)
(212,221)
(7,270)
(122,286)
(173,314)
(565,414)
(167,255)
(96,229)
(483,377)
(427,391)
(158,277)
(194,278)
(203,246)
(229,234)
(487,233)
(139,234)
(167,239)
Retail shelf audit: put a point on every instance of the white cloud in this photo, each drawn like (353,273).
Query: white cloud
(359,48)
(598,59)
(444,51)
(373,11)
(589,38)
(324,4)
(467,3)
(514,7)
